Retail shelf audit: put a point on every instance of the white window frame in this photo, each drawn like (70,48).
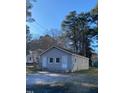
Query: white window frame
(49,60)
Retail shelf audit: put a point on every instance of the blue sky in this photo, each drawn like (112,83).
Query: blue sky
(50,13)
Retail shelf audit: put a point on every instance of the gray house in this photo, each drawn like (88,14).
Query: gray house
(61,60)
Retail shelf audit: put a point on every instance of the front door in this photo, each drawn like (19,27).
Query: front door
(44,63)
(64,62)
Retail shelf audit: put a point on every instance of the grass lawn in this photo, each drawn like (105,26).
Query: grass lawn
(91,71)
(32,68)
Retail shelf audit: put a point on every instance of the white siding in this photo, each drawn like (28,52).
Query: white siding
(80,63)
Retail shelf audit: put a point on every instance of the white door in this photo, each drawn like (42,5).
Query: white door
(44,63)
(64,62)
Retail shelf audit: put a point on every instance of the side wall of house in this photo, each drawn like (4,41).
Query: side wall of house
(80,63)
(55,53)
(85,63)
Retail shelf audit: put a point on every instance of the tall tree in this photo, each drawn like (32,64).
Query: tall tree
(28,34)
(94,14)
(94,32)
(28,39)
(29,6)
(81,28)
(70,26)
(28,19)
(76,26)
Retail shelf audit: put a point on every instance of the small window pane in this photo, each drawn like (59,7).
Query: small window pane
(51,60)
(30,58)
(57,60)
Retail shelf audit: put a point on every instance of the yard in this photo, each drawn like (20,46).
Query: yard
(85,81)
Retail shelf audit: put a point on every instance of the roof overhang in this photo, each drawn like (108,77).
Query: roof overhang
(56,48)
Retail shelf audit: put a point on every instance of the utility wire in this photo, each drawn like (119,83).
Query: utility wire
(40,25)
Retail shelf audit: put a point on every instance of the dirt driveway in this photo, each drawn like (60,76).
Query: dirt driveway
(46,82)
(52,78)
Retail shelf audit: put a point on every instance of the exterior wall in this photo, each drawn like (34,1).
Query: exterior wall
(55,53)
(80,63)
(85,63)
(34,58)
(28,59)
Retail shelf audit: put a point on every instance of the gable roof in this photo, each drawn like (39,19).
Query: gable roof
(62,49)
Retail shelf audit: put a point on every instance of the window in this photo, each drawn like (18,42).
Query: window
(51,60)
(75,59)
(57,60)
(30,59)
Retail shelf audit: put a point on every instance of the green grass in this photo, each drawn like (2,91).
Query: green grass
(93,71)
(32,69)
(90,71)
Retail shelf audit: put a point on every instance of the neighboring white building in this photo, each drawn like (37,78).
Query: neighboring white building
(33,56)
